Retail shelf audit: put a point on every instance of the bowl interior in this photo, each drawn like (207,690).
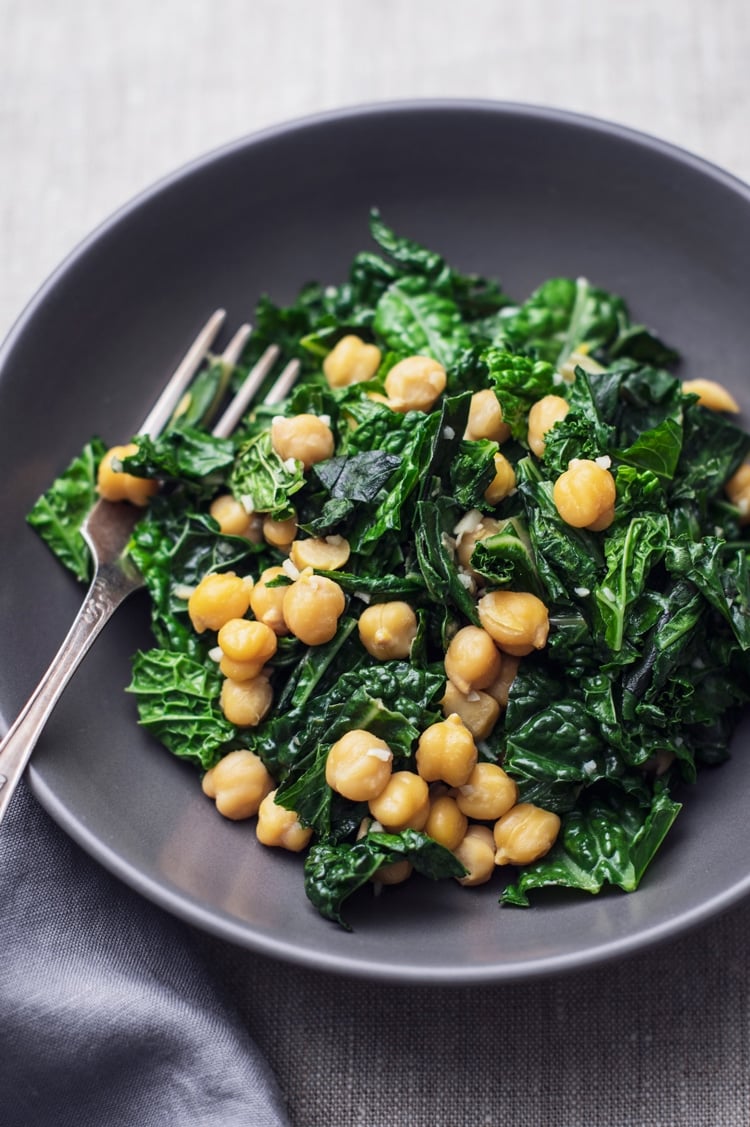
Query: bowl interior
(514,192)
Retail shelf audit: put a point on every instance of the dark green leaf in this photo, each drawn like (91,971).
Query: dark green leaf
(721,574)
(608,840)
(506,558)
(415,320)
(518,382)
(173,547)
(357,477)
(261,481)
(59,513)
(563,314)
(631,552)
(437,561)
(656,450)
(187,455)
(334,872)
(178,702)
(471,471)
(583,432)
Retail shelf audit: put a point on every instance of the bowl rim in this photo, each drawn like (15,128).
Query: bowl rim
(531,110)
(227,929)
(179,904)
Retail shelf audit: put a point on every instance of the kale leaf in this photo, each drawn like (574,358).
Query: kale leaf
(607,840)
(334,872)
(59,513)
(178,702)
(395,701)
(262,481)
(564,313)
(518,381)
(413,319)
(186,455)
(173,547)
(647,663)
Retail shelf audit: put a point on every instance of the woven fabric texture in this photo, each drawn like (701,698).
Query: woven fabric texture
(108,1013)
(661,1039)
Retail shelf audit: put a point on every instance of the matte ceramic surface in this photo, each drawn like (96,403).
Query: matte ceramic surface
(515,192)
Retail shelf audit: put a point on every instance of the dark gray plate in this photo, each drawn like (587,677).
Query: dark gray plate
(512,191)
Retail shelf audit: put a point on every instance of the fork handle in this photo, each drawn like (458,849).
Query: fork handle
(108,589)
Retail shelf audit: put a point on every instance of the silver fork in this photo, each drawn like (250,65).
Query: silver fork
(107,530)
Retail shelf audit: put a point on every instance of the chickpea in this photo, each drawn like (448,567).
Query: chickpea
(278,826)
(659,762)
(711,395)
(486,418)
(479,711)
(326,553)
(306,438)
(394,873)
(738,491)
(477,854)
(438,788)
(312,607)
(241,639)
(472,660)
(240,670)
(584,493)
(602,522)
(446,751)
(503,483)
(415,384)
(267,602)
(516,620)
(468,540)
(387,630)
(543,415)
(488,793)
(365,826)
(351,361)
(279,533)
(217,598)
(376,397)
(500,688)
(580,358)
(446,823)
(524,834)
(245,703)
(239,782)
(404,802)
(359,765)
(233,518)
(116,485)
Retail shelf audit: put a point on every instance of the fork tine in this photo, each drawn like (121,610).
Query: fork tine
(284,384)
(235,348)
(160,413)
(244,396)
(223,367)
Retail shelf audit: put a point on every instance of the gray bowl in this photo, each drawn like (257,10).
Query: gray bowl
(512,191)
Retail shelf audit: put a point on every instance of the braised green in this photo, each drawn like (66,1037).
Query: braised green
(646,666)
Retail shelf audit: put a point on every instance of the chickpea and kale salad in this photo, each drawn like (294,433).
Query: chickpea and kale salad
(475,595)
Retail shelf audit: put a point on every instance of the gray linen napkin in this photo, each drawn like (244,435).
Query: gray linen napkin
(108,1016)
